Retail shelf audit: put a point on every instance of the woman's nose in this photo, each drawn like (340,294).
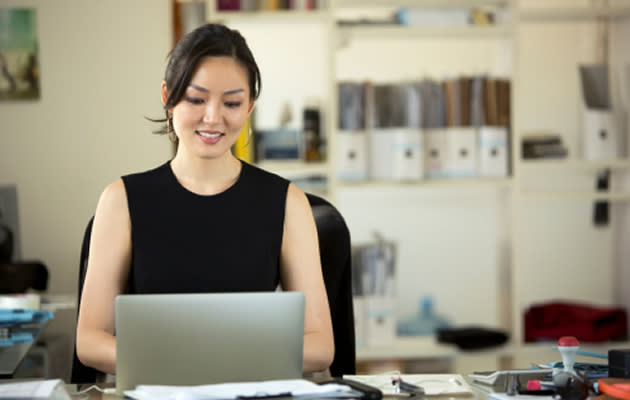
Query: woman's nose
(212,113)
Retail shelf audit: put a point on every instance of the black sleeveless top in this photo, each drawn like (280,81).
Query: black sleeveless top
(183,242)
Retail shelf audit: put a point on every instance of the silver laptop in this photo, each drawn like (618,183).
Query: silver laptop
(195,339)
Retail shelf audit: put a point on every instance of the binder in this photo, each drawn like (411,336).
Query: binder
(600,127)
(453,102)
(352,155)
(435,152)
(465,97)
(461,152)
(493,151)
(490,102)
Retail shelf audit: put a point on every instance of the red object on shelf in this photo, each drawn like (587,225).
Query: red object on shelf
(228,5)
(568,341)
(551,321)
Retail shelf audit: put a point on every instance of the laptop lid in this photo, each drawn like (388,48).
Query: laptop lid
(194,339)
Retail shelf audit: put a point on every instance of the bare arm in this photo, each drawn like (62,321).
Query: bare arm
(301,271)
(107,275)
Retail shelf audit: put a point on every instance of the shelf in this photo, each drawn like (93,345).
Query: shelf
(585,346)
(407,348)
(271,16)
(420,3)
(566,164)
(397,31)
(454,182)
(573,14)
(420,347)
(294,168)
(574,195)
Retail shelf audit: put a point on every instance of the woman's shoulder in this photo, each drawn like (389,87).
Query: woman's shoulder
(262,176)
(147,175)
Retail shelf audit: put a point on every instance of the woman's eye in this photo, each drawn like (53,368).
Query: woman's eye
(233,104)
(194,100)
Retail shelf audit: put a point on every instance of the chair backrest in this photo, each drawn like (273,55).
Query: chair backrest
(335,254)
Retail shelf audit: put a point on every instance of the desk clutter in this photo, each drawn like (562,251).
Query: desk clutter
(457,128)
(396,384)
(568,380)
(51,389)
(295,388)
(21,325)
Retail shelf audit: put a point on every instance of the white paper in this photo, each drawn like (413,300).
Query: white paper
(294,387)
(433,384)
(29,389)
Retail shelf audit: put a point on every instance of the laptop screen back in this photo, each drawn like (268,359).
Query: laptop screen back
(194,339)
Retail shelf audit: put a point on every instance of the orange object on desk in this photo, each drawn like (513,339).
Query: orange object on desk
(615,387)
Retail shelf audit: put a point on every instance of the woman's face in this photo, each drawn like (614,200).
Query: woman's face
(215,106)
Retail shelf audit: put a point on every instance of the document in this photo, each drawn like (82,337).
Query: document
(53,389)
(433,384)
(299,388)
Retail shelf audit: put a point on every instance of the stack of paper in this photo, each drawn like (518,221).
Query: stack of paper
(297,388)
(52,389)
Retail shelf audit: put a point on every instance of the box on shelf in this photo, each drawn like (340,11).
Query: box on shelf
(493,151)
(358,306)
(435,153)
(601,135)
(395,154)
(461,152)
(408,154)
(380,323)
(278,144)
(599,129)
(352,155)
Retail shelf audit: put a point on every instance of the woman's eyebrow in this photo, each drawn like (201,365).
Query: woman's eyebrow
(202,89)
(233,91)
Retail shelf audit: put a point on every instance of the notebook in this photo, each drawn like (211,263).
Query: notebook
(194,339)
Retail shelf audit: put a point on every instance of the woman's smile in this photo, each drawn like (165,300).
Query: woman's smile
(210,137)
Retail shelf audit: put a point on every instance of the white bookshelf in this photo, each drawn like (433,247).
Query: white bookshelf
(432,183)
(513,199)
(397,31)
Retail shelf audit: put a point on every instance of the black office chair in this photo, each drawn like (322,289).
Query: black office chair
(80,372)
(335,254)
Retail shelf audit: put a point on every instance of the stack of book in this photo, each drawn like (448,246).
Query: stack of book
(260,5)
(547,145)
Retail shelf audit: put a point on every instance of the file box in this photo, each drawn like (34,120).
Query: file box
(352,155)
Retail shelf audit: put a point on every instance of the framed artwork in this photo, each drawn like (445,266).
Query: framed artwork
(19,61)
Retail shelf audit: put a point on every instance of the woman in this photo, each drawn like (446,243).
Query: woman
(204,221)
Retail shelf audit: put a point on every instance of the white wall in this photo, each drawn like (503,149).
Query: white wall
(101,65)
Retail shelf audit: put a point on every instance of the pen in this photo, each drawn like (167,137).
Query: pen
(407,387)
(542,392)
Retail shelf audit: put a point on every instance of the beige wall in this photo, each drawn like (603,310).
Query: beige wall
(101,65)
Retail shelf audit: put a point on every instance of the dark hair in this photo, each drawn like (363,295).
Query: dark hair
(210,40)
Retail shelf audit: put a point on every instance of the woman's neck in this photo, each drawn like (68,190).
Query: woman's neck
(206,176)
